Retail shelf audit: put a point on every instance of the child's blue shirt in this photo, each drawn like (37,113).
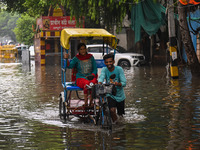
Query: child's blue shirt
(120,77)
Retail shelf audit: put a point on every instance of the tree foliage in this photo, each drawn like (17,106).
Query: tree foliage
(14,5)
(24,32)
(104,12)
(7,24)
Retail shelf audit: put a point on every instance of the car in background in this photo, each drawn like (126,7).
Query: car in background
(121,59)
(21,48)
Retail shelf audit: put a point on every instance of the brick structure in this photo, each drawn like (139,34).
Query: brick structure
(47,38)
(41,44)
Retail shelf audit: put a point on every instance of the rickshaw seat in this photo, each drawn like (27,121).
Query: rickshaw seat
(72,87)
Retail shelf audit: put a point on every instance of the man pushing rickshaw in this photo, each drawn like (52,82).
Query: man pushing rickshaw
(98,108)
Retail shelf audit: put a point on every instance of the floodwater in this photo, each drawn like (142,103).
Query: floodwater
(161,113)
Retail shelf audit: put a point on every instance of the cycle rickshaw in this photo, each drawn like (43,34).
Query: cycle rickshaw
(99,113)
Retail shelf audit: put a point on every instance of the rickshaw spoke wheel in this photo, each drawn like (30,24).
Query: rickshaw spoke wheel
(106,118)
(103,117)
(62,109)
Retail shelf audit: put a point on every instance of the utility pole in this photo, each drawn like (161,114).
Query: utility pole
(172,41)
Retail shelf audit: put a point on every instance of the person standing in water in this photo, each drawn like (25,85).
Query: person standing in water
(115,102)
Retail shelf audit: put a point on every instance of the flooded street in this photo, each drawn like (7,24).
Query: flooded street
(161,113)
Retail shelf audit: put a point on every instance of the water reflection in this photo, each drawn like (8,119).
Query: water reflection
(181,101)
(161,113)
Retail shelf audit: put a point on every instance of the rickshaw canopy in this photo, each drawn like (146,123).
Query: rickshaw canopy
(68,33)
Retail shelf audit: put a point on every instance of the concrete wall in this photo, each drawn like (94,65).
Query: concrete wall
(122,38)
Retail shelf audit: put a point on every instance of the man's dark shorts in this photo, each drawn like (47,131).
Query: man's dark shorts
(118,105)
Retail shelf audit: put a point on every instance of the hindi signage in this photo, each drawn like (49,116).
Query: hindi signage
(57,23)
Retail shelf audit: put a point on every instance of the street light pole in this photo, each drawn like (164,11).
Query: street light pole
(172,41)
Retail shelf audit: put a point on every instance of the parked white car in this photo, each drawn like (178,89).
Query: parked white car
(21,48)
(121,59)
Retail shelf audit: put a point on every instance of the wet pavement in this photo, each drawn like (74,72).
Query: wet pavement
(161,113)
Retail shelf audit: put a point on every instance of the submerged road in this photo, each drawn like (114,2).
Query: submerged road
(161,113)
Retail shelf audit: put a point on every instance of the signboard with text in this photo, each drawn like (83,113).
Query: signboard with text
(56,23)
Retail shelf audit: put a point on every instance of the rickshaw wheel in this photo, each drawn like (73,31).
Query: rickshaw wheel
(62,108)
(103,117)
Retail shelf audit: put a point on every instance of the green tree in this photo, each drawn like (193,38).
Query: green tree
(23,31)
(104,12)
(7,24)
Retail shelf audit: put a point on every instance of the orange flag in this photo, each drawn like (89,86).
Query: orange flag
(195,2)
(186,2)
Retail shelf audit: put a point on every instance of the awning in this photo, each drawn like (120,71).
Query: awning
(68,33)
